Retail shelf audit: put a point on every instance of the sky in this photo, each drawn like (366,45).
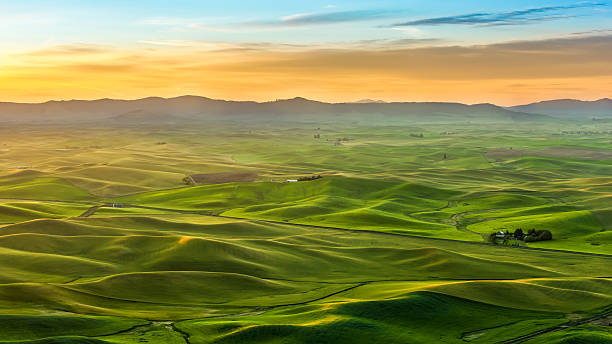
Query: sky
(471,51)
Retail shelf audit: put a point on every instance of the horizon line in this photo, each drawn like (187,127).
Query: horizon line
(359,101)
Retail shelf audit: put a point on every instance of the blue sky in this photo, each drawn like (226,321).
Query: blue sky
(27,24)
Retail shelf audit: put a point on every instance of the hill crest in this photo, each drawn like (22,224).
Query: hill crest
(191,108)
(569,108)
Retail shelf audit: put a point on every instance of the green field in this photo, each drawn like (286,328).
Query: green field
(388,246)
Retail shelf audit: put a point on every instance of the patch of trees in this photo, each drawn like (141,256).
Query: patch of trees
(531,235)
(541,235)
(317,136)
(309,178)
(417,135)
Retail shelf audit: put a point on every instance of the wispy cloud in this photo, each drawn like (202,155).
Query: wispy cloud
(519,17)
(231,46)
(370,44)
(73,49)
(595,32)
(183,43)
(288,21)
(321,18)
(391,44)
(399,68)
(411,31)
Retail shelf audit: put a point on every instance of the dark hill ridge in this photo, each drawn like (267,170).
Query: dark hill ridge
(196,108)
(362,101)
(569,108)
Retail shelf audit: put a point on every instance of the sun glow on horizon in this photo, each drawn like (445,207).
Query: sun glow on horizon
(269,51)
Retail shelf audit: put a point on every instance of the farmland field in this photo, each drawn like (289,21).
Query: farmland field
(175,234)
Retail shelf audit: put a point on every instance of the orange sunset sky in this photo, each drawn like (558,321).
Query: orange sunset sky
(393,51)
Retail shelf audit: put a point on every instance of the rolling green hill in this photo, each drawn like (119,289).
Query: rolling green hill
(387,246)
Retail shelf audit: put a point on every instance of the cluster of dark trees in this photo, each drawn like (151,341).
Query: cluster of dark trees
(306,179)
(317,136)
(417,135)
(531,235)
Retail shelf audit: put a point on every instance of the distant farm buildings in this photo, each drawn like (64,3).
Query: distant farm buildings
(514,239)
(304,179)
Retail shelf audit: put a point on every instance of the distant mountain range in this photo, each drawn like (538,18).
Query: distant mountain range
(195,108)
(569,108)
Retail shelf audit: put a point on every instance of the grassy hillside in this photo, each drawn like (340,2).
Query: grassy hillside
(184,266)
(254,262)
(333,201)
(24,327)
(587,334)
(398,207)
(32,185)
(417,317)
(19,211)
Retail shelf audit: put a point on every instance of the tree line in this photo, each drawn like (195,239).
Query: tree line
(530,235)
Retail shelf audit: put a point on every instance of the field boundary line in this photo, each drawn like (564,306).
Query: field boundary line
(322,227)
(567,325)
(364,231)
